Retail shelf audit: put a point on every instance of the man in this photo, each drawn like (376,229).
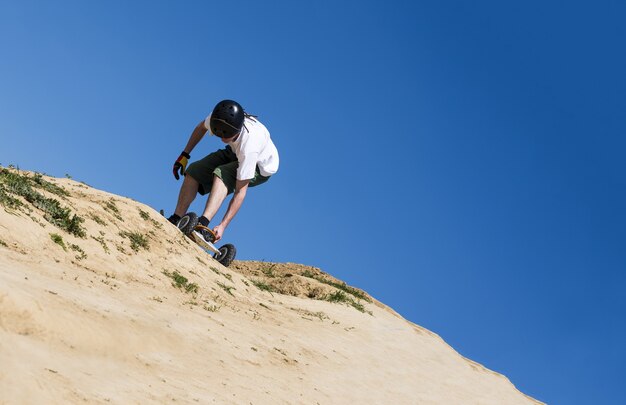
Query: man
(249,159)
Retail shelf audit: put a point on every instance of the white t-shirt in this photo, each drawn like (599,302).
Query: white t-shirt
(253,148)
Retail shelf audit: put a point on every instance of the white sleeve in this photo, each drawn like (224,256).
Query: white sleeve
(247,167)
(207,123)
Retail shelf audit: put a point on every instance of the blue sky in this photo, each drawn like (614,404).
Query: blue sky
(461,161)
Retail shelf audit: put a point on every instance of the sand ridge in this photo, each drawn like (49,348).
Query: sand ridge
(103,320)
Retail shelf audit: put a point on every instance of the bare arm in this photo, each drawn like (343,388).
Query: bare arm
(197,134)
(241,187)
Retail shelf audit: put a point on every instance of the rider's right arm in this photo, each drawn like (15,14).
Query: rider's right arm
(195,137)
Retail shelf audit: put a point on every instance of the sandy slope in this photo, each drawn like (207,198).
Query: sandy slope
(111,327)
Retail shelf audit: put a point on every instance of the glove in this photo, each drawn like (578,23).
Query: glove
(181,164)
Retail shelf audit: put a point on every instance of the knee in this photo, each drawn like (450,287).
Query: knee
(190,183)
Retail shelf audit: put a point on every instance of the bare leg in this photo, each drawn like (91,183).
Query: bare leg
(188,192)
(216,198)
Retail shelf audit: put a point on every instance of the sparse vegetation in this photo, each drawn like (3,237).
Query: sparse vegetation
(320,315)
(269,270)
(58,239)
(82,255)
(181,282)
(13,184)
(191,302)
(341,286)
(342,297)
(263,286)
(97,219)
(211,308)
(9,202)
(226,288)
(49,186)
(137,240)
(111,207)
(146,216)
(100,239)
(3,243)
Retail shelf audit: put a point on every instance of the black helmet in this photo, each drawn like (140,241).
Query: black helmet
(227,119)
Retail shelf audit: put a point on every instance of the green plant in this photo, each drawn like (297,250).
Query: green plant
(263,286)
(24,186)
(269,271)
(78,249)
(97,219)
(146,217)
(49,186)
(226,288)
(341,286)
(111,207)
(342,297)
(100,239)
(180,281)
(58,239)
(8,201)
(3,243)
(137,240)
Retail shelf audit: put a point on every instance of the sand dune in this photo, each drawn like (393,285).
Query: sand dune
(105,318)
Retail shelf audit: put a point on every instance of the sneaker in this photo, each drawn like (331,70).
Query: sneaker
(174,219)
(206,233)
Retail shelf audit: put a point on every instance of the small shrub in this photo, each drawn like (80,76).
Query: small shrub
(263,286)
(111,207)
(58,239)
(341,286)
(137,240)
(342,297)
(100,239)
(226,287)
(180,281)
(144,214)
(269,271)
(50,187)
(97,219)
(146,217)
(82,255)
(8,201)
(22,186)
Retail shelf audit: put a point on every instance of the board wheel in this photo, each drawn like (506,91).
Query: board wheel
(188,223)
(226,255)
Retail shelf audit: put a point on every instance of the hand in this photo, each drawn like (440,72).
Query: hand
(219,231)
(181,164)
